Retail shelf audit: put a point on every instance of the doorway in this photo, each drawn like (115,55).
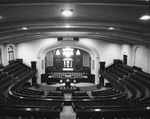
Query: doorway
(125,59)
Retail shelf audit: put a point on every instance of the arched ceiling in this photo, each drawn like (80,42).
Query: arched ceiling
(90,19)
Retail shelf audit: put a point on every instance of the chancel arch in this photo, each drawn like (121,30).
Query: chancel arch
(94,61)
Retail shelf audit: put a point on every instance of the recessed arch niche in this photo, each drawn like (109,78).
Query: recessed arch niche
(67,57)
(74,44)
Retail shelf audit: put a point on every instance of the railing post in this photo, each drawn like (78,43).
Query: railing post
(34,78)
(19,60)
(33,65)
(102,68)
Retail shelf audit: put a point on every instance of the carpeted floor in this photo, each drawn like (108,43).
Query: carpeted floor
(67,113)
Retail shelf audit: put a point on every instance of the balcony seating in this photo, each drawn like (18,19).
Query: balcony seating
(11,73)
(132,89)
(119,74)
(143,75)
(10,66)
(126,67)
(115,82)
(12,70)
(5,80)
(141,88)
(114,76)
(121,70)
(2,75)
(141,79)
(16,70)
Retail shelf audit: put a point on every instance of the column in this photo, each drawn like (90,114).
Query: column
(34,78)
(33,65)
(102,68)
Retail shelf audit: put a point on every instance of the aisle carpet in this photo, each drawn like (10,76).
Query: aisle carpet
(67,113)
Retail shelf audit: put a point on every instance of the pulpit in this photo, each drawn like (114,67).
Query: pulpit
(67,83)
(68,87)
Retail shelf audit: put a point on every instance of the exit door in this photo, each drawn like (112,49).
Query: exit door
(125,59)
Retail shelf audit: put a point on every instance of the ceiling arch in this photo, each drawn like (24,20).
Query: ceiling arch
(43,19)
(74,44)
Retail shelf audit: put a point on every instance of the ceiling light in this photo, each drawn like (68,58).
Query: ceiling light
(67,13)
(1,17)
(145,17)
(111,28)
(67,26)
(24,28)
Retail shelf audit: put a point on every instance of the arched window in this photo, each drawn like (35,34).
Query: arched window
(10,53)
(78,52)
(57,52)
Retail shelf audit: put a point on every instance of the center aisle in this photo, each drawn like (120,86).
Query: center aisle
(67,113)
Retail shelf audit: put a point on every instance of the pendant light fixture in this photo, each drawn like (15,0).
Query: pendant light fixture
(147,16)
(67,13)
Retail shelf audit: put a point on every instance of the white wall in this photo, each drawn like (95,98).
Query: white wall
(107,51)
(4,51)
(141,57)
(28,50)
(148,62)
(127,50)
(3,54)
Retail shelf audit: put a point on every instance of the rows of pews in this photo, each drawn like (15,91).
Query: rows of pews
(10,74)
(14,99)
(129,98)
(75,96)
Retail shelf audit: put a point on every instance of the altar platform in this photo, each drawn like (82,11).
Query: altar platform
(81,86)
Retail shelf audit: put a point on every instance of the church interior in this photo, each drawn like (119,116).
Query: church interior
(74,59)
